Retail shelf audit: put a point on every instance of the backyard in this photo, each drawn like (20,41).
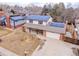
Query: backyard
(4,31)
(19,42)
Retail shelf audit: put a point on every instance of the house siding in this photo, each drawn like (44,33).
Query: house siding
(27,21)
(35,22)
(44,23)
(14,24)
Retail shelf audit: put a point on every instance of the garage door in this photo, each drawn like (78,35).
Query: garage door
(53,35)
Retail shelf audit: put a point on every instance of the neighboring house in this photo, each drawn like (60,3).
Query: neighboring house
(2,18)
(43,25)
(2,21)
(12,21)
(17,21)
(38,19)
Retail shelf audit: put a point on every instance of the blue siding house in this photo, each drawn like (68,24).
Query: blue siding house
(17,21)
(2,21)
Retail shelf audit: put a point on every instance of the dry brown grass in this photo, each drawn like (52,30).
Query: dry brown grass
(4,32)
(20,42)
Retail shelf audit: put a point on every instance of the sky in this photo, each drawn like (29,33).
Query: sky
(26,2)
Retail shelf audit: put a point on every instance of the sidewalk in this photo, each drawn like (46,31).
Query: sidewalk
(5,52)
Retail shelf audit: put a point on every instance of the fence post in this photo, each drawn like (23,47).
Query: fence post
(8,24)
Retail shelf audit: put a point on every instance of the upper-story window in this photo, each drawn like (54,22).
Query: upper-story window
(40,22)
(31,21)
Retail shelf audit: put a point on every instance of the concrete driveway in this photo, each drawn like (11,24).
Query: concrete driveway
(53,47)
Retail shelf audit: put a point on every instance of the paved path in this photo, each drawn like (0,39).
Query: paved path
(5,52)
(53,47)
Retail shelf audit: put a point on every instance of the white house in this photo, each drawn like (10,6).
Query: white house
(38,19)
(43,25)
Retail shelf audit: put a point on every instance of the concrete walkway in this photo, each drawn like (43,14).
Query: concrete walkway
(5,52)
(53,47)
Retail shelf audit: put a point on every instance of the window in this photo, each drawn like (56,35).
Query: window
(40,22)
(35,22)
(27,21)
(44,23)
